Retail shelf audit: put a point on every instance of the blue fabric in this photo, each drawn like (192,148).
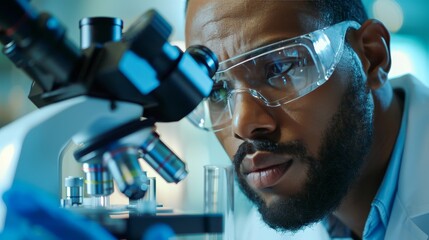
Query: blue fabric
(378,217)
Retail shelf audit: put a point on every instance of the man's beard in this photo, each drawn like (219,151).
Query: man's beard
(345,144)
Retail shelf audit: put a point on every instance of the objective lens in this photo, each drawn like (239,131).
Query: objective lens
(162,159)
(122,162)
(74,191)
(98,180)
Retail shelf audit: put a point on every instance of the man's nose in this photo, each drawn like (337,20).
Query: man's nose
(251,119)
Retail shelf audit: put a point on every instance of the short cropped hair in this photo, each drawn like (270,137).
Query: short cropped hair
(335,11)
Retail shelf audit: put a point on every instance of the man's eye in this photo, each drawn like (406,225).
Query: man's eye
(278,68)
(219,93)
(279,74)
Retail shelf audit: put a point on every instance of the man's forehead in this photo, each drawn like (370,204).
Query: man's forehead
(201,13)
(245,24)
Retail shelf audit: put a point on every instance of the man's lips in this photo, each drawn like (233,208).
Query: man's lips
(264,169)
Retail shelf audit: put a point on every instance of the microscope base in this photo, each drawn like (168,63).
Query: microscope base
(131,225)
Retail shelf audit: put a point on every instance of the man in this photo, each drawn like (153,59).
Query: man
(303,106)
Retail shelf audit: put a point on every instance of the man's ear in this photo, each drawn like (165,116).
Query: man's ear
(374,40)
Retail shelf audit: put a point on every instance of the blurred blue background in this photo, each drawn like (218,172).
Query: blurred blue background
(408,22)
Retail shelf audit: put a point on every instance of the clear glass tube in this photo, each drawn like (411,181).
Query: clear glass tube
(219,197)
(100,201)
(147,204)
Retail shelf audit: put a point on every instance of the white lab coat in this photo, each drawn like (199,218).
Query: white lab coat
(409,218)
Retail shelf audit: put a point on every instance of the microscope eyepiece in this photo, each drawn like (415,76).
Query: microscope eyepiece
(205,57)
(99,30)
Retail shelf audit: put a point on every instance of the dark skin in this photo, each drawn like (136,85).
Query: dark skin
(230,28)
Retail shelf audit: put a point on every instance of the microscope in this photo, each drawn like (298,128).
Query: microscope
(105,97)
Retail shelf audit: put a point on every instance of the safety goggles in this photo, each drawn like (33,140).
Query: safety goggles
(274,74)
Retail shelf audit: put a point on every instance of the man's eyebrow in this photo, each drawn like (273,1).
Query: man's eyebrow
(274,41)
(269,42)
(254,53)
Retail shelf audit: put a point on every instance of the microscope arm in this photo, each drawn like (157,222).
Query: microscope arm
(30,146)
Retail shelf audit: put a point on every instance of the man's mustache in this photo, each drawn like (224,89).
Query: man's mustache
(293,148)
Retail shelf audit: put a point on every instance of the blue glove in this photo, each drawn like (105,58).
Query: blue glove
(31,215)
(158,232)
(35,216)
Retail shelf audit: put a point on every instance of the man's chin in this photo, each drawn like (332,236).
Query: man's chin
(286,213)
(273,214)
(270,200)
(278,212)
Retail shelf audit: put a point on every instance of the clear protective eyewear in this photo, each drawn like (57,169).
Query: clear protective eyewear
(275,74)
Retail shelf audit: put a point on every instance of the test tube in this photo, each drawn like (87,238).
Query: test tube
(147,204)
(219,197)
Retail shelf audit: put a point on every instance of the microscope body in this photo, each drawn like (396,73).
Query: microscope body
(105,98)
